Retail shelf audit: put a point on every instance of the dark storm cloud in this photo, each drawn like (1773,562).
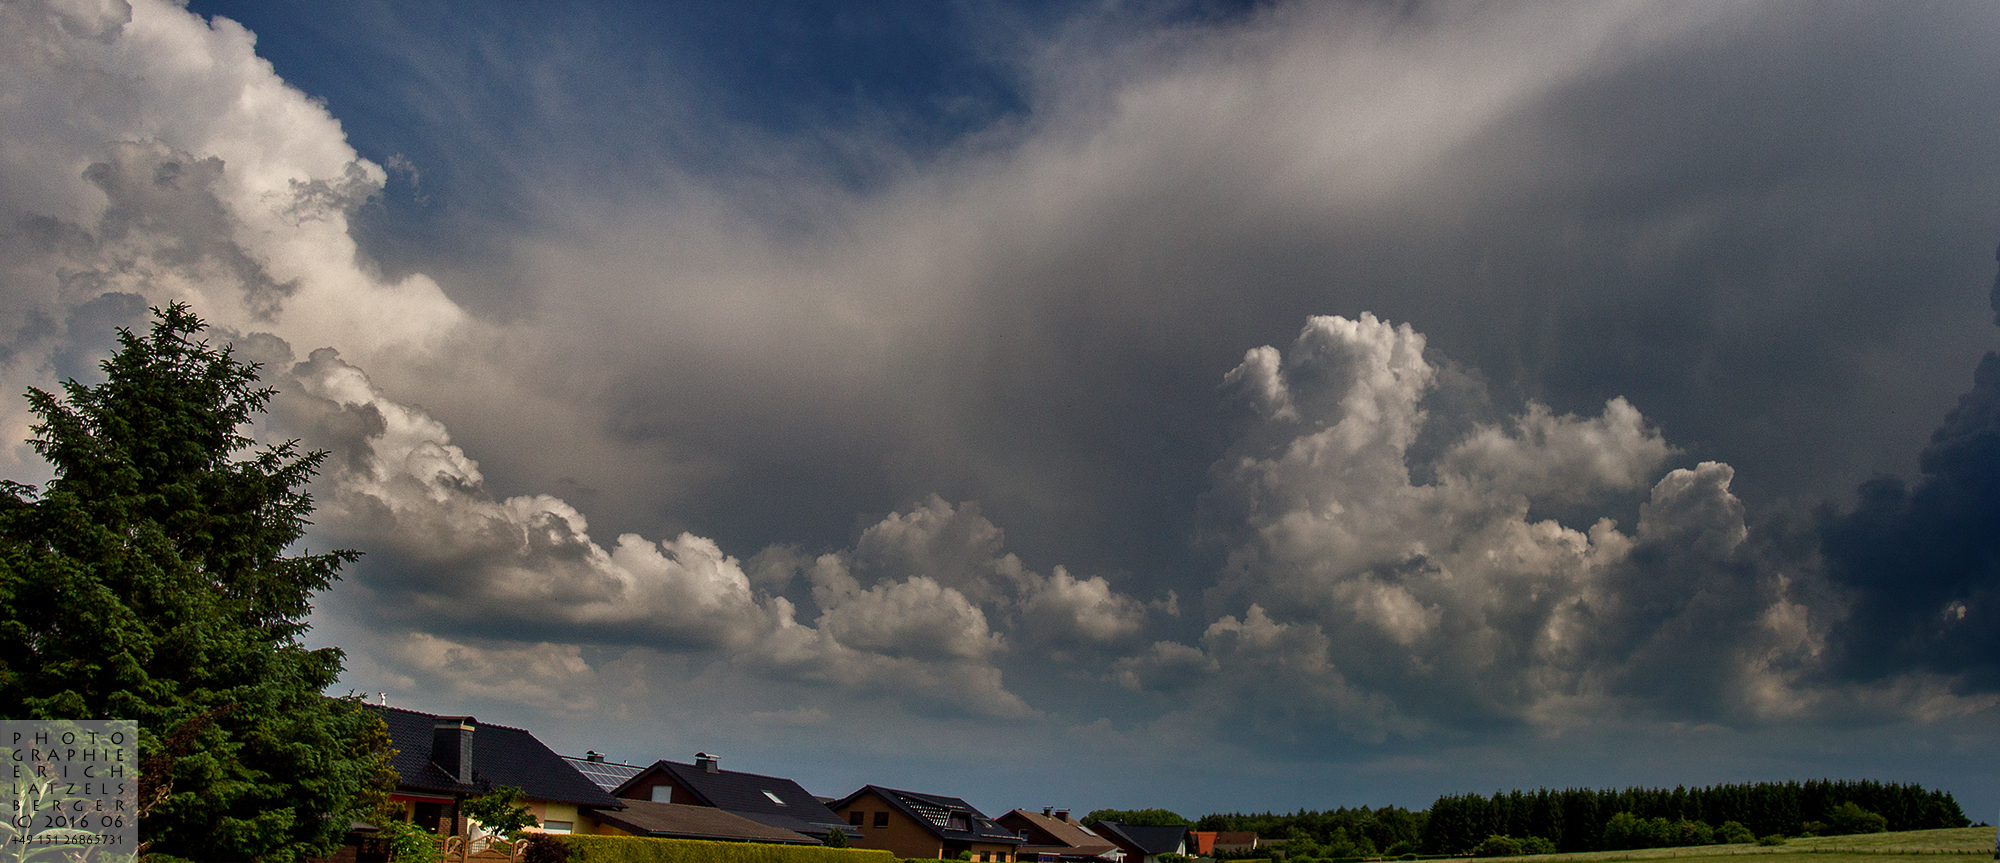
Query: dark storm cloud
(1923,560)
(1685,213)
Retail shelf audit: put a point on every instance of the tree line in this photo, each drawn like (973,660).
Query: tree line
(1577,819)
(1334,833)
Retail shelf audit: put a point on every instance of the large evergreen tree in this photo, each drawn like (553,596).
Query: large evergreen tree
(149,581)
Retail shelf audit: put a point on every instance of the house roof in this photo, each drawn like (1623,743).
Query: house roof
(500,756)
(680,821)
(1061,831)
(1145,839)
(934,812)
(1105,851)
(607,774)
(770,800)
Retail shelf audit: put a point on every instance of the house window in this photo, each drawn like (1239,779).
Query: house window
(557,826)
(959,821)
(854,818)
(881,819)
(774,798)
(663,794)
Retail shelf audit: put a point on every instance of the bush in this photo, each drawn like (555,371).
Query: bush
(1848,818)
(1497,846)
(544,848)
(407,842)
(1734,833)
(634,849)
(1683,833)
(1532,845)
(1773,839)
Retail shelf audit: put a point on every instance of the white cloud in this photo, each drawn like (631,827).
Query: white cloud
(1063,611)
(1566,459)
(1396,606)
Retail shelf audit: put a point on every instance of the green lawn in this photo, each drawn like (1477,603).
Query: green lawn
(1954,845)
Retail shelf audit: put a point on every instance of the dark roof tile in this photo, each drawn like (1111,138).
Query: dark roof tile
(500,756)
(770,800)
(677,821)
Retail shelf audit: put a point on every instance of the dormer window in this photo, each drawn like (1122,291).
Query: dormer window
(959,821)
(774,798)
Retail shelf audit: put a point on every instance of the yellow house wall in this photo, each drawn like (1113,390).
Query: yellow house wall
(903,836)
(544,810)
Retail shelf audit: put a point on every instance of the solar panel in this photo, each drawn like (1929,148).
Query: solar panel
(607,774)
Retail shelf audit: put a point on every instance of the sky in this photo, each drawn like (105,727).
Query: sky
(1112,404)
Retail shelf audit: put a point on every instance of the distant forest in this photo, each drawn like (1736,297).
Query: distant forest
(1575,819)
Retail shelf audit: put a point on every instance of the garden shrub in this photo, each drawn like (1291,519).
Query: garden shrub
(635,849)
(544,848)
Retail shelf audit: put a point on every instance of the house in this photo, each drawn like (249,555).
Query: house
(1236,841)
(681,821)
(910,824)
(1144,843)
(1052,836)
(442,760)
(767,800)
(1201,843)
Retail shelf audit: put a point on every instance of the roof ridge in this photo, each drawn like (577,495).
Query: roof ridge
(720,769)
(482,723)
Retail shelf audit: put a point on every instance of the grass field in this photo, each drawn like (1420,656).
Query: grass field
(1960,845)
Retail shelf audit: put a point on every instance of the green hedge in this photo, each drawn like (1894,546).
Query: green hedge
(635,849)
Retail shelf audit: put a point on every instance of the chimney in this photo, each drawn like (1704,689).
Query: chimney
(1062,814)
(593,756)
(706,762)
(1048,809)
(451,746)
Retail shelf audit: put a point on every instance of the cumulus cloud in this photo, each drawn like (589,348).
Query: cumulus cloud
(1400,607)
(1062,610)
(153,157)
(449,556)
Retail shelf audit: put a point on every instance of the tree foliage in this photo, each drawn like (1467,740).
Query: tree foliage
(1583,819)
(1342,832)
(149,581)
(1142,817)
(500,812)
